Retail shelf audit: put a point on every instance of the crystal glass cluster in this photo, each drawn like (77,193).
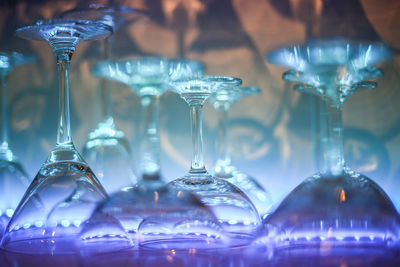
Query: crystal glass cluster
(98,207)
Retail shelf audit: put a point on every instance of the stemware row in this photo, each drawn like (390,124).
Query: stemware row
(66,209)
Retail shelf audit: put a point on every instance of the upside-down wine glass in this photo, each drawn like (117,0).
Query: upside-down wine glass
(148,77)
(13,178)
(222,100)
(107,149)
(230,205)
(336,207)
(52,216)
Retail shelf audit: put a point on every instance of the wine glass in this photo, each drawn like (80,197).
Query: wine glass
(222,101)
(336,207)
(53,213)
(107,149)
(148,77)
(230,205)
(13,178)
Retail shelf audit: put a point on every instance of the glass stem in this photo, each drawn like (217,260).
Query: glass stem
(321,120)
(150,158)
(196,117)
(4,113)
(223,167)
(105,90)
(64,138)
(332,141)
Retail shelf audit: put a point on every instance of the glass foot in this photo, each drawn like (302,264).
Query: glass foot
(349,210)
(64,34)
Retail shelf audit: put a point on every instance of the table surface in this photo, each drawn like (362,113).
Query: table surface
(242,257)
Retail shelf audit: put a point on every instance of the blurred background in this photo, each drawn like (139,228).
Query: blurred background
(273,136)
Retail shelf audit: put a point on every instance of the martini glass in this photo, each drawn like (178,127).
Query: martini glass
(107,149)
(336,207)
(54,210)
(13,178)
(148,77)
(222,101)
(230,205)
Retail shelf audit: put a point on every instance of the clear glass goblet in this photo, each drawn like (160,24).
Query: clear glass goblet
(107,149)
(149,78)
(335,208)
(56,207)
(13,178)
(222,100)
(230,205)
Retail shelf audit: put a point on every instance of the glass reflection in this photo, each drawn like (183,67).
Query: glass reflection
(13,178)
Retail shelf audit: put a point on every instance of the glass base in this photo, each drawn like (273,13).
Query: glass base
(230,205)
(50,216)
(64,34)
(253,190)
(349,210)
(13,183)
